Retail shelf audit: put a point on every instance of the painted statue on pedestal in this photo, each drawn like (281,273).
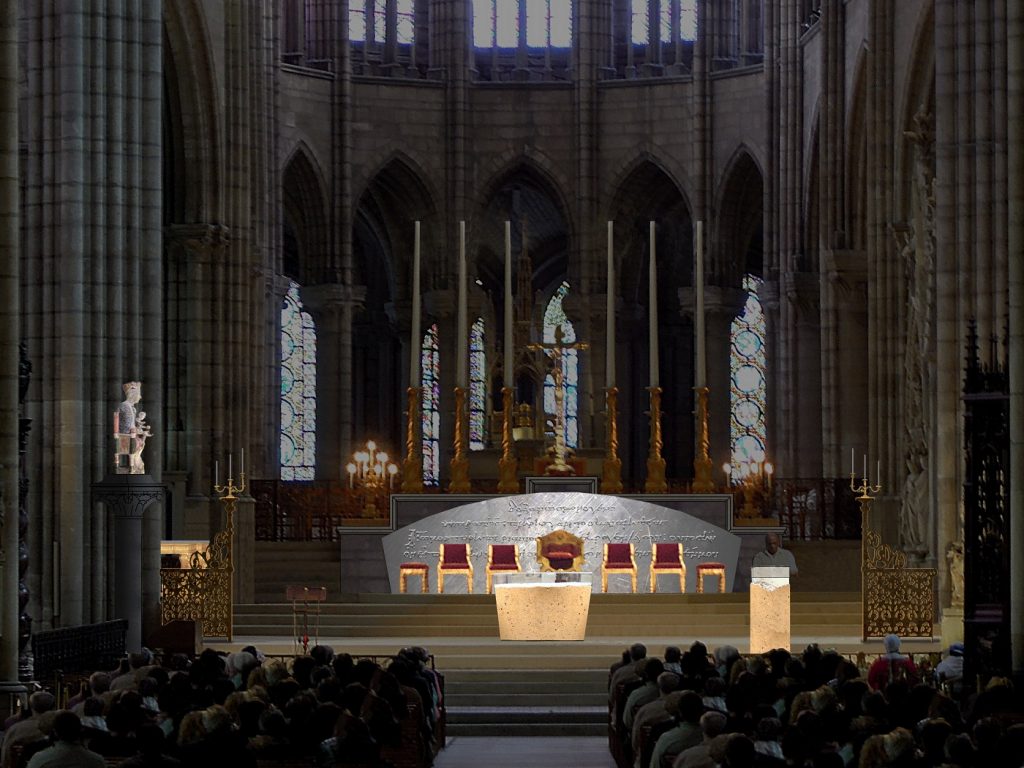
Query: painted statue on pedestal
(130,432)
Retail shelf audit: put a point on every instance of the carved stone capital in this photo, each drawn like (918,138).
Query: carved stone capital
(328,298)
(802,290)
(717,301)
(845,270)
(200,243)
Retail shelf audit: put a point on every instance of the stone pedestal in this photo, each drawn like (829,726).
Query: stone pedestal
(128,497)
(540,608)
(769,609)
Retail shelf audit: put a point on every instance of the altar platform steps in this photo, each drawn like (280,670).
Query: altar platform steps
(611,615)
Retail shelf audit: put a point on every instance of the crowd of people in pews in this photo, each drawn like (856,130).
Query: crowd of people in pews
(818,709)
(234,709)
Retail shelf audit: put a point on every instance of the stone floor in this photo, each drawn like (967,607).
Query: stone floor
(526,752)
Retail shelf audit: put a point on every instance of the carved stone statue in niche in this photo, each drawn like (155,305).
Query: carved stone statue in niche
(955,559)
(917,251)
(130,432)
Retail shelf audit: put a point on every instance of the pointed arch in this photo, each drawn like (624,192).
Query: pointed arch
(306,235)
(193,155)
(737,247)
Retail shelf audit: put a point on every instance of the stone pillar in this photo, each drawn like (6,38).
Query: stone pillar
(10,254)
(1015,107)
(331,306)
(128,497)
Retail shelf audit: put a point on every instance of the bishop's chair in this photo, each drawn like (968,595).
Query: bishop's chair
(560,551)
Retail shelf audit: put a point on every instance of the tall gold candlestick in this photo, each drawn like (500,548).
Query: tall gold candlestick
(221,549)
(655,482)
(412,467)
(508,465)
(702,482)
(611,469)
(460,462)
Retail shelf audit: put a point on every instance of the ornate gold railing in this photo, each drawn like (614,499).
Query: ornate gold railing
(203,592)
(896,600)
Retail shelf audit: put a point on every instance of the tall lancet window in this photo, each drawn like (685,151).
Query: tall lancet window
(513,35)
(477,387)
(749,388)
(554,316)
(430,367)
(298,389)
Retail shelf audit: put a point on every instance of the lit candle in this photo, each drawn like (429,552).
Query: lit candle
(652,307)
(508,306)
(698,314)
(351,475)
(609,356)
(462,346)
(415,341)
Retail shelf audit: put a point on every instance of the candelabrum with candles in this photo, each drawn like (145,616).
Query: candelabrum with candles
(752,478)
(371,476)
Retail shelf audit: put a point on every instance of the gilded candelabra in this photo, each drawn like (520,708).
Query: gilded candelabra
(508,479)
(655,482)
(412,467)
(611,469)
(702,482)
(754,480)
(372,473)
(221,550)
(460,462)
(870,541)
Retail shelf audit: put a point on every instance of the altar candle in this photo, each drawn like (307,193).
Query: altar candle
(415,342)
(462,370)
(508,306)
(878,470)
(609,357)
(652,311)
(216,473)
(229,466)
(241,472)
(864,476)
(701,373)
(853,466)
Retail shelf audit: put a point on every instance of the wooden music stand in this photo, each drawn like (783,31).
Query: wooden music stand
(305,596)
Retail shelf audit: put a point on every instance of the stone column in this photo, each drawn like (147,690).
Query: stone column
(130,499)
(9,336)
(331,306)
(1015,107)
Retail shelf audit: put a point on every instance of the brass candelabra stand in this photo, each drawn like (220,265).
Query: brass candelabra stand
(508,465)
(460,462)
(702,482)
(655,482)
(412,467)
(611,468)
(221,550)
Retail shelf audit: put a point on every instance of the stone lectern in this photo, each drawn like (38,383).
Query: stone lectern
(769,609)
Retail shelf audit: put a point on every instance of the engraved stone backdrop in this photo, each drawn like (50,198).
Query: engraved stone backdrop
(595,519)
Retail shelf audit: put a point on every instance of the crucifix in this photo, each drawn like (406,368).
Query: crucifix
(556,353)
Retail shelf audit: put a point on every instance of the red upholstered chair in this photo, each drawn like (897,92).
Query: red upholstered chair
(710,569)
(501,558)
(560,551)
(667,558)
(454,559)
(618,558)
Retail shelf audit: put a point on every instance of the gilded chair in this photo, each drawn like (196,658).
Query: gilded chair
(454,559)
(501,558)
(618,558)
(667,558)
(712,570)
(560,551)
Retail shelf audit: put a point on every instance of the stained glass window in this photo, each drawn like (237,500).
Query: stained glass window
(548,23)
(554,316)
(688,19)
(430,367)
(357,21)
(298,389)
(639,21)
(406,21)
(380,12)
(749,391)
(477,387)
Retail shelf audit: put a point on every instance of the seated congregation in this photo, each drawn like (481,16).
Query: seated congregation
(241,710)
(816,710)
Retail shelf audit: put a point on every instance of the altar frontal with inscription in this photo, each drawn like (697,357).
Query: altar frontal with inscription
(594,518)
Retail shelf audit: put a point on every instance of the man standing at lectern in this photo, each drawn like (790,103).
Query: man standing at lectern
(773,555)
